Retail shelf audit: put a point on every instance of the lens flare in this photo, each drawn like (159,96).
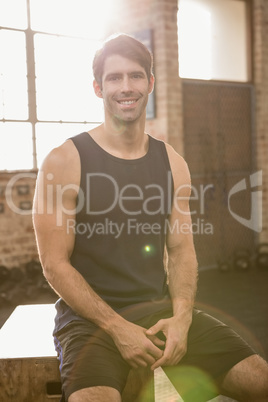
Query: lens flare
(192,383)
(148,250)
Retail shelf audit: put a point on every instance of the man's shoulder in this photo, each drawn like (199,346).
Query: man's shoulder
(175,158)
(178,165)
(62,162)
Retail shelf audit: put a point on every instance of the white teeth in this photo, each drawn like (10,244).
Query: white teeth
(126,102)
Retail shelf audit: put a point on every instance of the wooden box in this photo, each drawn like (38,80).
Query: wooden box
(28,363)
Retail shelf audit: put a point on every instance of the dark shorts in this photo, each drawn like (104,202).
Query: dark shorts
(89,357)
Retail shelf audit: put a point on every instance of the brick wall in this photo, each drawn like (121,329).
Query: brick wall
(17,243)
(260,65)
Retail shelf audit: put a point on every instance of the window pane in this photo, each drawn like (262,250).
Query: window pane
(64,79)
(213,39)
(13,14)
(16,149)
(51,135)
(13,76)
(83,18)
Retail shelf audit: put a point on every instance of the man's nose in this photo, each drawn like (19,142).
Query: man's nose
(126,85)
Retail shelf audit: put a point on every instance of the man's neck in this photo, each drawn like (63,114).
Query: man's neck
(122,139)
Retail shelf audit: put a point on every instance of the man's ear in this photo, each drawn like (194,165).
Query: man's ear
(151,84)
(97,89)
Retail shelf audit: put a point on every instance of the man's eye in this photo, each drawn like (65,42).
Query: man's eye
(114,78)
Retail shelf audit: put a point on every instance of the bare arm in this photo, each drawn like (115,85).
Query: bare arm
(182,263)
(54,210)
(182,267)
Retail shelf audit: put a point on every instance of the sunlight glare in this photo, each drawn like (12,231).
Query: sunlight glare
(81,18)
(13,72)
(194,33)
(9,18)
(16,146)
(64,77)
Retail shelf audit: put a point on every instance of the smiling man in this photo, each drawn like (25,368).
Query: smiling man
(127,296)
(130,101)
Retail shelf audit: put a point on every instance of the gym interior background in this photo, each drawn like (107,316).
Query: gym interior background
(210,102)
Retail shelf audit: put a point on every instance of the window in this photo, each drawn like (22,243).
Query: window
(213,40)
(14,102)
(46,93)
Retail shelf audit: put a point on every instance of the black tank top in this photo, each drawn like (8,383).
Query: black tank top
(121,223)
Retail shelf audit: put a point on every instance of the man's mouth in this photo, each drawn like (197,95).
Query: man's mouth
(126,102)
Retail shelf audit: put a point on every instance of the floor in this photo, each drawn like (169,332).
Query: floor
(239,298)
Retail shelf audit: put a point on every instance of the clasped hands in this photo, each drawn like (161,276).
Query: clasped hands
(142,347)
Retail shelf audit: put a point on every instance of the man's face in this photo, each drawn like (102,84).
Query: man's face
(125,88)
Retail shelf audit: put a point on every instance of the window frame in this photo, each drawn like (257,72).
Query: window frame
(31,84)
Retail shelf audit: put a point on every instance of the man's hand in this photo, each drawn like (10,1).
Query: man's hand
(137,348)
(176,332)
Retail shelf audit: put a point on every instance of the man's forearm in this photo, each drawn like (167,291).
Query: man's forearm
(182,269)
(182,285)
(70,285)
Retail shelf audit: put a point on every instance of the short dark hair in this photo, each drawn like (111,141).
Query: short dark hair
(126,46)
